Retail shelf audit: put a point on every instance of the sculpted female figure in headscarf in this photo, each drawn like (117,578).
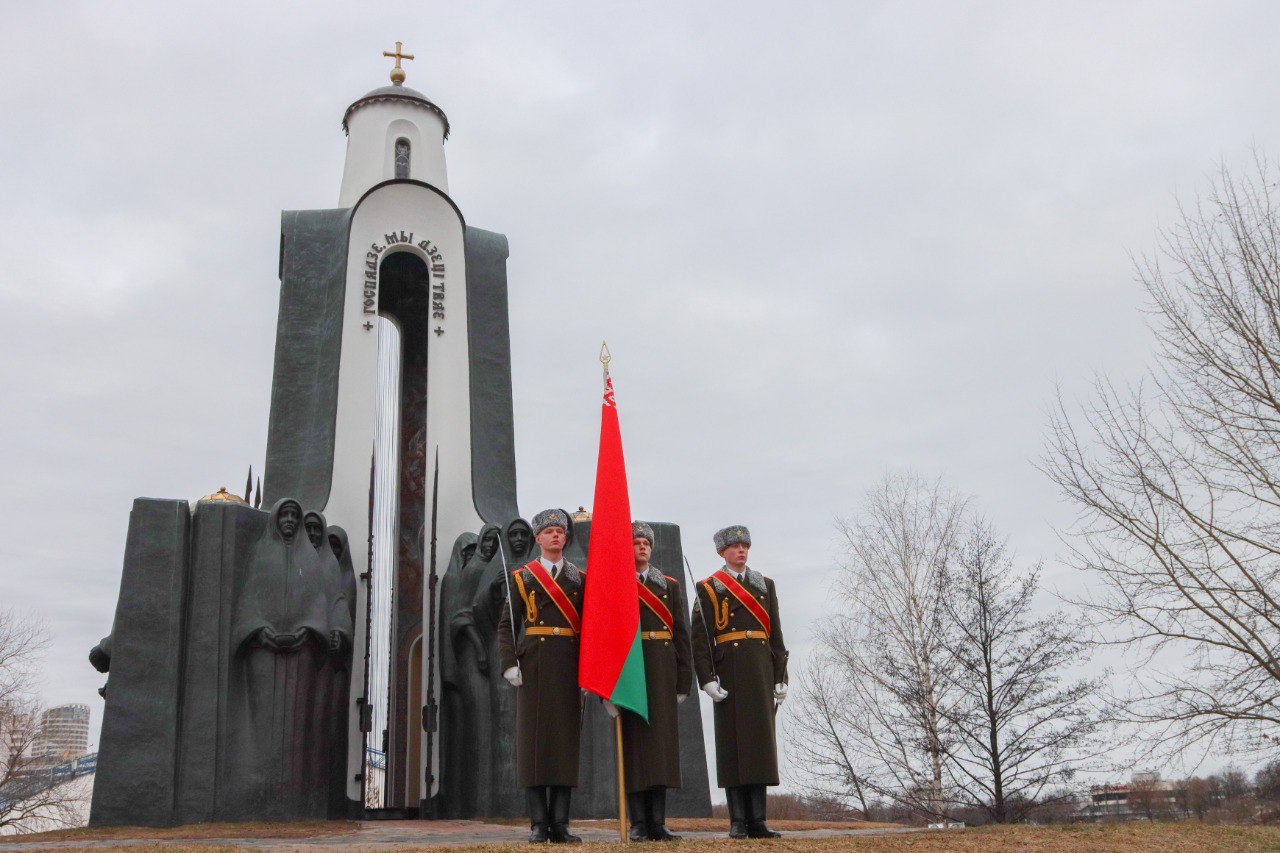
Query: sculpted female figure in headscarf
(331,702)
(516,542)
(459,644)
(281,640)
(342,551)
(341,606)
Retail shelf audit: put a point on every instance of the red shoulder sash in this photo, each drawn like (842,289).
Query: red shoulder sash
(657,606)
(556,594)
(748,600)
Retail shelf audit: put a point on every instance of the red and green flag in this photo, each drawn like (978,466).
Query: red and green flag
(611,661)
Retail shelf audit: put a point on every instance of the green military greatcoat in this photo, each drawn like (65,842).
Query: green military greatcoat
(746,749)
(548,702)
(651,751)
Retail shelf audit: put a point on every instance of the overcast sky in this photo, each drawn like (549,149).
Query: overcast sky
(823,243)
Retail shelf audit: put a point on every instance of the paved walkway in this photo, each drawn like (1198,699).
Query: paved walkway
(400,834)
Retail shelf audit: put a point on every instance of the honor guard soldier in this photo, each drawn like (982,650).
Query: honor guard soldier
(545,597)
(651,750)
(741,663)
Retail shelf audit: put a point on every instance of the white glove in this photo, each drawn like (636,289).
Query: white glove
(513,676)
(715,691)
(610,708)
(779,692)
(680,697)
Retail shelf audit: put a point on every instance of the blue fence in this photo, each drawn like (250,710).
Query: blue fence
(36,779)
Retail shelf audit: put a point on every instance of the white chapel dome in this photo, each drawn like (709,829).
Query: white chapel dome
(395,93)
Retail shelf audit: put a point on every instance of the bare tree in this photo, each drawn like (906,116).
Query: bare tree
(1149,797)
(1266,782)
(933,686)
(872,716)
(1020,730)
(29,797)
(1194,797)
(824,730)
(22,641)
(1178,481)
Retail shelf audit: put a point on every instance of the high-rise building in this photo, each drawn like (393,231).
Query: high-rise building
(64,733)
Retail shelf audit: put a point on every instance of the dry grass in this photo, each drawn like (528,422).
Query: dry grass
(1114,838)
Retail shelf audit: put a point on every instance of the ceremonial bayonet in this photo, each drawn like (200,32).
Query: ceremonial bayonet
(706,629)
(511,610)
(430,709)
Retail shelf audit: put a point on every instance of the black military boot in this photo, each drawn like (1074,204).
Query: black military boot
(656,801)
(537,815)
(639,820)
(559,831)
(737,797)
(757,798)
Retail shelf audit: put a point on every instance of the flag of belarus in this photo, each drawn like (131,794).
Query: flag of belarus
(611,661)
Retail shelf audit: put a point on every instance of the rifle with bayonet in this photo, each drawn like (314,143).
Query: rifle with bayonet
(431,709)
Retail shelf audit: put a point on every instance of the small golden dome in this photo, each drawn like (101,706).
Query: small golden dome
(582,514)
(222,496)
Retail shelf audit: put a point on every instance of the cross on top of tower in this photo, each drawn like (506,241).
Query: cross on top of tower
(397,73)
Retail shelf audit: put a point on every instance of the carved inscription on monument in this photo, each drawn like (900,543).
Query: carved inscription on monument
(435,260)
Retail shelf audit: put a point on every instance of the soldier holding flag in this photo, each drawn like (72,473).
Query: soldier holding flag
(652,749)
(544,668)
(736,609)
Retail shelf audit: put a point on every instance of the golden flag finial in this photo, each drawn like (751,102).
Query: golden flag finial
(605,358)
(397,73)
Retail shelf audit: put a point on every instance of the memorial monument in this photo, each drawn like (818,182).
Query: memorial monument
(239,686)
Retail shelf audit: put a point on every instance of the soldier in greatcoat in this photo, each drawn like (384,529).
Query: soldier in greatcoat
(741,663)
(651,751)
(546,597)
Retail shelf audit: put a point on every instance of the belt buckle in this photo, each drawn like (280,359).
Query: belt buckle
(555,631)
(748,635)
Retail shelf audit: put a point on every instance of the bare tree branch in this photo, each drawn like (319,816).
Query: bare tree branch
(1178,480)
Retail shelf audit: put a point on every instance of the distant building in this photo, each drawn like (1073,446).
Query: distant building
(64,734)
(1144,796)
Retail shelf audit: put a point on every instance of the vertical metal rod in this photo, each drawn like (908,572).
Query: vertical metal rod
(622,783)
(511,612)
(706,629)
(430,709)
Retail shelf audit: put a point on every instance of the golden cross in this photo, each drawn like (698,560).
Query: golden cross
(397,73)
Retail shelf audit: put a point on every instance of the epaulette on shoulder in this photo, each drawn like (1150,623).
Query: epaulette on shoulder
(668,577)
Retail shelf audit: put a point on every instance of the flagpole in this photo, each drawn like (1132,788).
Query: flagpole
(605,358)
(622,785)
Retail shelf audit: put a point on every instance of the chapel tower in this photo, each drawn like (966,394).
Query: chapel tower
(394,268)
